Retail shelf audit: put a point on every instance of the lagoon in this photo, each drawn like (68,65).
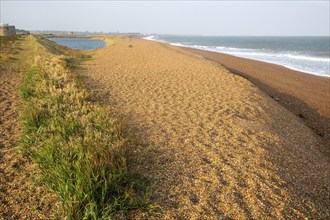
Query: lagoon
(79,43)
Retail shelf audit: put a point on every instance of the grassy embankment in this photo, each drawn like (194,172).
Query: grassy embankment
(6,46)
(78,148)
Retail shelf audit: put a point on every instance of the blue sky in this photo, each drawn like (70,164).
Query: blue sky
(248,18)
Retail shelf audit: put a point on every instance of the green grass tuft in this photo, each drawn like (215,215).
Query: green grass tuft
(28,87)
(79,149)
(73,62)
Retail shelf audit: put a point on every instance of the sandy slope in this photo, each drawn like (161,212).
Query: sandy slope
(216,146)
(305,95)
(19,197)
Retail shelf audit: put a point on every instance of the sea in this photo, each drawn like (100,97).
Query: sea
(305,54)
(79,43)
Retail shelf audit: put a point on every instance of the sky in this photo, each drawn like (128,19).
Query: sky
(222,18)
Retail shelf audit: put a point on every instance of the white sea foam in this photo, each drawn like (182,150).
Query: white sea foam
(234,49)
(300,62)
(201,47)
(239,51)
(309,64)
(178,44)
(150,38)
(309,58)
(250,53)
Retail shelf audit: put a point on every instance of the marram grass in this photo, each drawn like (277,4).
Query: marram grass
(78,148)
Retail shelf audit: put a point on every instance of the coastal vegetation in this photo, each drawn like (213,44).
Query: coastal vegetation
(79,150)
(214,144)
(6,44)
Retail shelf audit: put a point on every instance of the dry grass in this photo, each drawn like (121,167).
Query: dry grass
(78,149)
(19,197)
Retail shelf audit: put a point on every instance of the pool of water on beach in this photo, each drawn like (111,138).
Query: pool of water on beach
(79,43)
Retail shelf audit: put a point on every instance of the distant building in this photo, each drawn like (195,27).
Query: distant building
(70,33)
(7,30)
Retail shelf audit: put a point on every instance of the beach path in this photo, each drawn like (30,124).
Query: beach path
(215,146)
(20,198)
